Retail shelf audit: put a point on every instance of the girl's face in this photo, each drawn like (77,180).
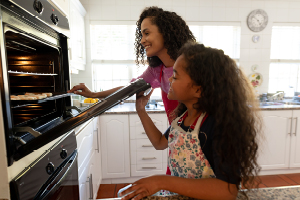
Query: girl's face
(152,39)
(181,84)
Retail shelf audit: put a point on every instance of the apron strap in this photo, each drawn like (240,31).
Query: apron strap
(192,127)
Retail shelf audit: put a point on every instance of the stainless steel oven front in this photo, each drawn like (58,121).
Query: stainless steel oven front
(53,176)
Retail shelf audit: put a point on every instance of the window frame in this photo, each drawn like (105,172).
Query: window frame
(131,62)
(282,61)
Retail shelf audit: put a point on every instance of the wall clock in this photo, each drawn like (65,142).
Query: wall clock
(257,20)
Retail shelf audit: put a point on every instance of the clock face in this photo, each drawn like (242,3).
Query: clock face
(257,20)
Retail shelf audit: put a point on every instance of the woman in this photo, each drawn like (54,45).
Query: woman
(159,34)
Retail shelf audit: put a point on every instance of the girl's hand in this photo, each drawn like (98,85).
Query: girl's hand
(142,188)
(141,101)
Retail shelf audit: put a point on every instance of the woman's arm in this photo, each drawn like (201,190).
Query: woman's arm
(86,92)
(155,136)
(206,188)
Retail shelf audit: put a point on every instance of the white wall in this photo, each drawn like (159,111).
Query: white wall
(279,11)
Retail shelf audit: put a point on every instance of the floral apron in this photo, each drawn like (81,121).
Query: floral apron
(186,158)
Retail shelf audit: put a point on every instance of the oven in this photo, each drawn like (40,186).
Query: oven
(52,176)
(34,59)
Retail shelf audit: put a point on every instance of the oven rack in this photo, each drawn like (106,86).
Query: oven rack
(20,103)
(30,73)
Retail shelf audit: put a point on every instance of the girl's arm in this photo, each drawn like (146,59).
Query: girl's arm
(157,139)
(207,188)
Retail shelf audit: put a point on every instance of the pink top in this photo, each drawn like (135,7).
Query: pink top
(152,75)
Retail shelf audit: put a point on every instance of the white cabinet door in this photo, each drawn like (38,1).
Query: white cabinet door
(115,146)
(84,146)
(97,172)
(295,140)
(85,159)
(77,36)
(274,150)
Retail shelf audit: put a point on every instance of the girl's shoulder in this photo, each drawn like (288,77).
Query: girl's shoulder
(208,125)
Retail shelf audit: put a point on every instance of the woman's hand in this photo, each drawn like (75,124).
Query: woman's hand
(85,91)
(143,187)
(141,101)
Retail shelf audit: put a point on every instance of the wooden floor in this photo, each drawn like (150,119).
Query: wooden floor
(111,190)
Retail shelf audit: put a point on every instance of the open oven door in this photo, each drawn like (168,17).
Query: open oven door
(73,122)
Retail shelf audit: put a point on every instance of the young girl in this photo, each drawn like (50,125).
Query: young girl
(213,141)
(159,35)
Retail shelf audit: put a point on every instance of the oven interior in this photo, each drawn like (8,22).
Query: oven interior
(33,66)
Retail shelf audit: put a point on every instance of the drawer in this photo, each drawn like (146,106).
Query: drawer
(141,145)
(148,169)
(147,157)
(137,129)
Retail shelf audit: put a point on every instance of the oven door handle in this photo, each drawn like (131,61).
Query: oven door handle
(44,191)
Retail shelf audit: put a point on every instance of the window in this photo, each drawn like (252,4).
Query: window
(113,55)
(285,59)
(226,38)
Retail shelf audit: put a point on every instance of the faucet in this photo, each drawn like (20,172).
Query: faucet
(277,96)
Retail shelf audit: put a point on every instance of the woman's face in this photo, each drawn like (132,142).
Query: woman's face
(152,39)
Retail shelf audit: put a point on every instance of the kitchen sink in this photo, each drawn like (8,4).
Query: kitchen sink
(279,103)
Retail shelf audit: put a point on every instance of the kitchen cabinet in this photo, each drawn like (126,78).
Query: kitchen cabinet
(295,141)
(280,149)
(77,52)
(89,160)
(62,5)
(114,131)
(127,153)
(274,148)
(145,159)
(97,170)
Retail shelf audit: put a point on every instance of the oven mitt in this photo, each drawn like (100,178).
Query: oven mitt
(124,188)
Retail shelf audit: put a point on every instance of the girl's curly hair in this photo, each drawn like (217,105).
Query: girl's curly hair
(228,96)
(173,28)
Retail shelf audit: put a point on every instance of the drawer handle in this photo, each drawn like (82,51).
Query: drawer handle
(148,167)
(147,145)
(143,132)
(148,158)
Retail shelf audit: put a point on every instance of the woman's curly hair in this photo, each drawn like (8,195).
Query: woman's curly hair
(173,28)
(228,96)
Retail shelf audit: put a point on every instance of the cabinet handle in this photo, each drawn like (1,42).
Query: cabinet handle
(148,158)
(143,132)
(148,167)
(90,181)
(70,50)
(147,145)
(296,118)
(290,133)
(97,140)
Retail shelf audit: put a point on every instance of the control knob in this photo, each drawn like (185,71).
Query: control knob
(50,168)
(54,19)
(38,6)
(63,154)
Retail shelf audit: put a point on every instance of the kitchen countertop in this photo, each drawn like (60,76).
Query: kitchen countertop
(273,193)
(129,108)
